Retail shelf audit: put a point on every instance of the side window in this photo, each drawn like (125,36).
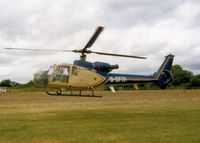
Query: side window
(50,74)
(62,70)
(50,71)
(61,78)
(62,74)
(66,70)
(74,70)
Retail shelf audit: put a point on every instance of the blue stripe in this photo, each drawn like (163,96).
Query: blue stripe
(127,79)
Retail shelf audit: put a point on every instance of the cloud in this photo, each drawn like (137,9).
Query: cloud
(144,28)
(128,13)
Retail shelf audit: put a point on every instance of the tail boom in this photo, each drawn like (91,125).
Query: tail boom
(162,77)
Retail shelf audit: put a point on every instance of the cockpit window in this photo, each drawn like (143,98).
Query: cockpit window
(63,70)
(61,74)
(61,78)
(50,71)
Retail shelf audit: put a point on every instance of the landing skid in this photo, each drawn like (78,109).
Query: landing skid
(59,93)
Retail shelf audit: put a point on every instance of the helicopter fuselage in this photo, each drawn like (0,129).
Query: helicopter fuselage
(72,76)
(68,76)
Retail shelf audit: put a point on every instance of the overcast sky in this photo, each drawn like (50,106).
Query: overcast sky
(151,28)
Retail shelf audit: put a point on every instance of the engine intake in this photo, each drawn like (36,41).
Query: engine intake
(104,68)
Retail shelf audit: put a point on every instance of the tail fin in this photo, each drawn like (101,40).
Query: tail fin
(163,74)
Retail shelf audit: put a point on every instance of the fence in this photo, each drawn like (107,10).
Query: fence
(4,89)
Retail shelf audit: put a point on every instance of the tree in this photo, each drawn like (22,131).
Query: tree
(180,75)
(6,83)
(195,81)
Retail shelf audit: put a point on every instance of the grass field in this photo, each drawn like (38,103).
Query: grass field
(124,117)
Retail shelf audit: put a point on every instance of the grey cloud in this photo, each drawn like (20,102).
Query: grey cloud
(129,13)
(4,59)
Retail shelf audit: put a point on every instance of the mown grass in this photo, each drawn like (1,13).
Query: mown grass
(139,117)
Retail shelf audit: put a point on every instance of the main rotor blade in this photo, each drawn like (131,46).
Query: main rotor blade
(119,55)
(93,38)
(25,49)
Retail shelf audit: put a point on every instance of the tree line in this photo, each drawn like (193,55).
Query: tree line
(9,83)
(183,79)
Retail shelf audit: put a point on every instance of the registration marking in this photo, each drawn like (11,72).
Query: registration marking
(118,79)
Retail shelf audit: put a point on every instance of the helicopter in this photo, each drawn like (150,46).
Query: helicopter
(84,75)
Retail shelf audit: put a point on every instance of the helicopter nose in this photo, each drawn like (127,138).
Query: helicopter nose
(41,78)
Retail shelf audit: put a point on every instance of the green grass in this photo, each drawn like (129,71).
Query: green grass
(111,119)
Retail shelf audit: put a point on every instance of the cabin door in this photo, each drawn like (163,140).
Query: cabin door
(60,76)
